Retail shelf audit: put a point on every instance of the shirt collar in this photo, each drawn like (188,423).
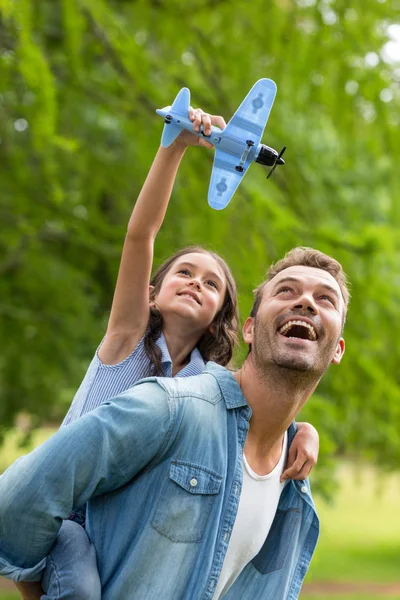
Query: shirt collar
(165,357)
(232,393)
(292,432)
(229,386)
(194,367)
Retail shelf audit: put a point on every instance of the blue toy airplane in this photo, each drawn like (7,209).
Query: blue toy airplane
(237,146)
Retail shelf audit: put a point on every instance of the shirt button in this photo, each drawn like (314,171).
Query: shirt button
(193,482)
(304,489)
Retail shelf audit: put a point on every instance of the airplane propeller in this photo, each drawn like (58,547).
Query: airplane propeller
(279,161)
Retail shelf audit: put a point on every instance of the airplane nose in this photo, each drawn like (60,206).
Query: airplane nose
(280,161)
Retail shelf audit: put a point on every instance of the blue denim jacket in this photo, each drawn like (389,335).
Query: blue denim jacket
(161,467)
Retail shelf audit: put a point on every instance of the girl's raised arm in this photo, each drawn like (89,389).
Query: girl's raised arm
(130,307)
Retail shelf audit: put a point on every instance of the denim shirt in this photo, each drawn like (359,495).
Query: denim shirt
(161,468)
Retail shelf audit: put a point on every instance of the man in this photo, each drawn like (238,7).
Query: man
(182,476)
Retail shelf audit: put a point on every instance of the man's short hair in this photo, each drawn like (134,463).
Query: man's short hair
(305,257)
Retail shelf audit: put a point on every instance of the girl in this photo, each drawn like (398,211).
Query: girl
(188,316)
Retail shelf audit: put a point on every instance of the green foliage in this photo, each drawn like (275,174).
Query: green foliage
(79,83)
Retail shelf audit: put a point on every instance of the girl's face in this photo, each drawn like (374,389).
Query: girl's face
(193,288)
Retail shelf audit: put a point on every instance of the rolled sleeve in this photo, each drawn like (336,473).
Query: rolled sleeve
(96,454)
(18,574)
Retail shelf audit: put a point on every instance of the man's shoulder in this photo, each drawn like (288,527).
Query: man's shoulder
(144,395)
(204,386)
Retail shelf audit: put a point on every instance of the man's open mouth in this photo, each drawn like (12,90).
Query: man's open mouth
(298,329)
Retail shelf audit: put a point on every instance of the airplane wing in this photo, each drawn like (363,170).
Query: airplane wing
(248,123)
(250,119)
(224,179)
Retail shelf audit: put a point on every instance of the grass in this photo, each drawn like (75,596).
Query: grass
(12,449)
(360,532)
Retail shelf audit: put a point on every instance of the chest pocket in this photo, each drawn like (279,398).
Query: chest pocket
(185,502)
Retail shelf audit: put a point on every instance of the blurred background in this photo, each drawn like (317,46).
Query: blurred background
(79,84)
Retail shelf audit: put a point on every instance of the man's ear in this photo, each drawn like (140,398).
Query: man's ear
(248,330)
(337,357)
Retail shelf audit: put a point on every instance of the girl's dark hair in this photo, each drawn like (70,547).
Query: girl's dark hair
(216,345)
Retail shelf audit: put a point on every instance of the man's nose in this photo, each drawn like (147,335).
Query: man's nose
(306,303)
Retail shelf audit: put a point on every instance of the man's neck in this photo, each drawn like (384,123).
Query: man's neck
(275,400)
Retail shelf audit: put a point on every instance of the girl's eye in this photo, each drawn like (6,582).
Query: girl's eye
(212,284)
(184,271)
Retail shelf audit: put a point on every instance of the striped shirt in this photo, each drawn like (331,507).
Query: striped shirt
(103,382)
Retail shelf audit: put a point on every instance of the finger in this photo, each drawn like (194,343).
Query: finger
(304,472)
(197,119)
(218,121)
(191,113)
(206,122)
(306,455)
(293,471)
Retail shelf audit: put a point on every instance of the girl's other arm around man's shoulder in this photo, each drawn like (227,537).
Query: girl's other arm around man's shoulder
(303,453)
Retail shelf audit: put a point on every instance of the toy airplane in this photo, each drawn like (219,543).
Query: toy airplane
(237,146)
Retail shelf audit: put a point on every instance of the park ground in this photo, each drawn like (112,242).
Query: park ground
(358,555)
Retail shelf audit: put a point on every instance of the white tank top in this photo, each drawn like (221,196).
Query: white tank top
(257,507)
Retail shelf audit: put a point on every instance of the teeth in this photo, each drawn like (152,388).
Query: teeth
(287,326)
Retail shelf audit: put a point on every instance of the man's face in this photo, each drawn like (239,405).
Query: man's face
(299,322)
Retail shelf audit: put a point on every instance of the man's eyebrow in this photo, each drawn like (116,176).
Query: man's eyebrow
(330,289)
(296,280)
(185,263)
(284,279)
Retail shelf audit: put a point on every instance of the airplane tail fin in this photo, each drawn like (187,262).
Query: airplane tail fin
(180,106)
